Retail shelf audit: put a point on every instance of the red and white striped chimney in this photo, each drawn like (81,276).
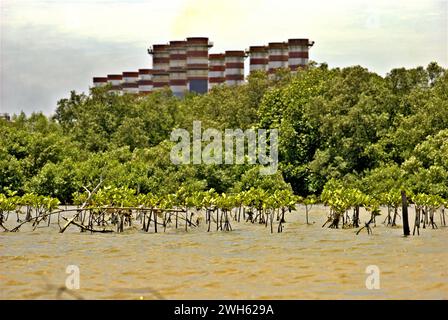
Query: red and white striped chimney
(115,80)
(216,70)
(144,81)
(177,67)
(259,58)
(129,84)
(197,64)
(130,76)
(298,53)
(160,65)
(278,56)
(234,61)
(99,81)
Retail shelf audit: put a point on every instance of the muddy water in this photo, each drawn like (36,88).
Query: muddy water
(304,262)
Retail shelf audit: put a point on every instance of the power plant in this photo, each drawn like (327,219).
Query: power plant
(187,66)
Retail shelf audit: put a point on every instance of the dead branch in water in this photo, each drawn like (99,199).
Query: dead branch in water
(84,228)
(16,228)
(82,207)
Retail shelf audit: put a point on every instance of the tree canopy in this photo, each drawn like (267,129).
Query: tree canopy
(366,131)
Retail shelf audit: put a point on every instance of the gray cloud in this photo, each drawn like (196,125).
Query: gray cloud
(66,43)
(41,65)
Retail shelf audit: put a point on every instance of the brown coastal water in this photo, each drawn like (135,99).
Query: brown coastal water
(303,262)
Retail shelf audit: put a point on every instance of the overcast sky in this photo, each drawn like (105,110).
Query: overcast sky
(49,47)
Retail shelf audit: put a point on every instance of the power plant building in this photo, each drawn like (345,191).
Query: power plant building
(186,66)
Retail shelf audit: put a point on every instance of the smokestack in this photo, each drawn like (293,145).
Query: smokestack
(259,58)
(144,81)
(129,84)
(234,61)
(278,56)
(187,66)
(130,76)
(115,80)
(197,64)
(177,67)
(160,65)
(216,70)
(99,81)
(298,53)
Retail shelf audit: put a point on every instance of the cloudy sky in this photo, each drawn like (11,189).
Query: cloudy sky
(49,47)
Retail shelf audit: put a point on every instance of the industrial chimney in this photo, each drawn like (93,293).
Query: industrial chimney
(234,61)
(197,64)
(177,67)
(216,70)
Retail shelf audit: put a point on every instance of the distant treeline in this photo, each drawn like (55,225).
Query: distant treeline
(366,131)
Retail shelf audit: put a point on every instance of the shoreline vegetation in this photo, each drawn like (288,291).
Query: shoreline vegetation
(348,138)
(107,210)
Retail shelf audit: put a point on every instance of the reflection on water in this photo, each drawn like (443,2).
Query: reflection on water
(304,262)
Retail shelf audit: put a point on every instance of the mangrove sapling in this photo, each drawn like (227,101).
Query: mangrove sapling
(227,226)
(355,218)
(144,221)
(404,200)
(340,200)
(256,198)
(417,220)
(156,213)
(6,205)
(220,218)
(284,199)
(250,216)
(206,200)
(120,223)
(336,197)
(426,206)
(48,205)
(148,224)
(424,216)
(442,214)
(217,219)
(431,219)
(266,217)
(225,203)
(335,220)
(392,200)
(281,221)
(388,220)
(373,207)
(151,201)
(190,219)
(198,220)
(435,203)
(166,220)
(309,202)
(329,218)
(346,219)
(209,213)
(394,220)
(367,227)
(357,199)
